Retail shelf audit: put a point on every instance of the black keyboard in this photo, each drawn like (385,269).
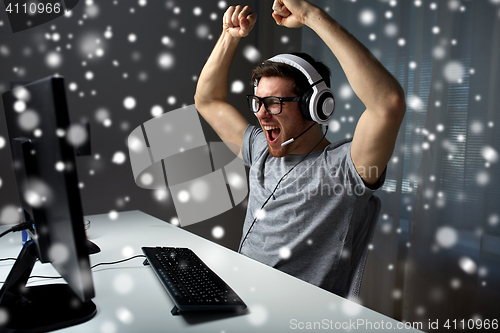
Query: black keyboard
(189,282)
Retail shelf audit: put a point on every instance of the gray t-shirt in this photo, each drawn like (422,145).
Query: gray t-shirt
(308,228)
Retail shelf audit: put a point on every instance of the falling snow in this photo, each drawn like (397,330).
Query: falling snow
(415,103)
(183,196)
(351,309)
(157,111)
(258,315)
(260,214)
(38,193)
(113,215)
(161,195)
(345,91)
(58,253)
(237,87)
(123,283)
(454,71)
(235,180)
(166,60)
(251,53)
(171,100)
(119,157)
(28,120)
(129,103)
(203,31)
(175,221)
(285,252)
(199,190)
(483,178)
(60,166)
(9,215)
(135,144)
(58,49)
(493,220)
(218,232)
(125,315)
(19,106)
(147,179)
(446,237)
(467,265)
(334,126)
(54,60)
(391,30)
(77,135)
(489,154)
(367,17)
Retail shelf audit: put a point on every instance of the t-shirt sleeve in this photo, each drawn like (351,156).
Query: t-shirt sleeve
(343,167)
(254,144)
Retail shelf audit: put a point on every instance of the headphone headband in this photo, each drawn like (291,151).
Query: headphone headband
(319,104)
(306,68)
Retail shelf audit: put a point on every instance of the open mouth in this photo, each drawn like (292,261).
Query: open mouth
(272,133)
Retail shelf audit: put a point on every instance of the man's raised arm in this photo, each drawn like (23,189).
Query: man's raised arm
(211,91)
(383,97)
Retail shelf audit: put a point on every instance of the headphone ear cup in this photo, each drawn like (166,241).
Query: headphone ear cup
(305,99)
(325,106)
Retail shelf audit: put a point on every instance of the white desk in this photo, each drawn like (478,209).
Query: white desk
(130,298)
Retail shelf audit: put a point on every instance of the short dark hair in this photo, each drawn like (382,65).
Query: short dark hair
(301,85)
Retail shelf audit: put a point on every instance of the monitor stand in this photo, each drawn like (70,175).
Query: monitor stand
(38,308)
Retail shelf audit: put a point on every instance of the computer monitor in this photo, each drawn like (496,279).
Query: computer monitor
(43,154)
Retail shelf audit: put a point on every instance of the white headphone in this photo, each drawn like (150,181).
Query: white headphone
(318,104)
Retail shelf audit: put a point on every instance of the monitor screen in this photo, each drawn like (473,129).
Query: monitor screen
(43,143)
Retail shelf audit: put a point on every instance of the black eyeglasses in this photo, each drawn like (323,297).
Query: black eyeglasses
(272,104)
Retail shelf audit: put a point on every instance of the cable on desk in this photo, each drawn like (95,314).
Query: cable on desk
(92,267)
(45,277)
(119,261)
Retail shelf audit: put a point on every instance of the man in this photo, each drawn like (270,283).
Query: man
(304,222)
